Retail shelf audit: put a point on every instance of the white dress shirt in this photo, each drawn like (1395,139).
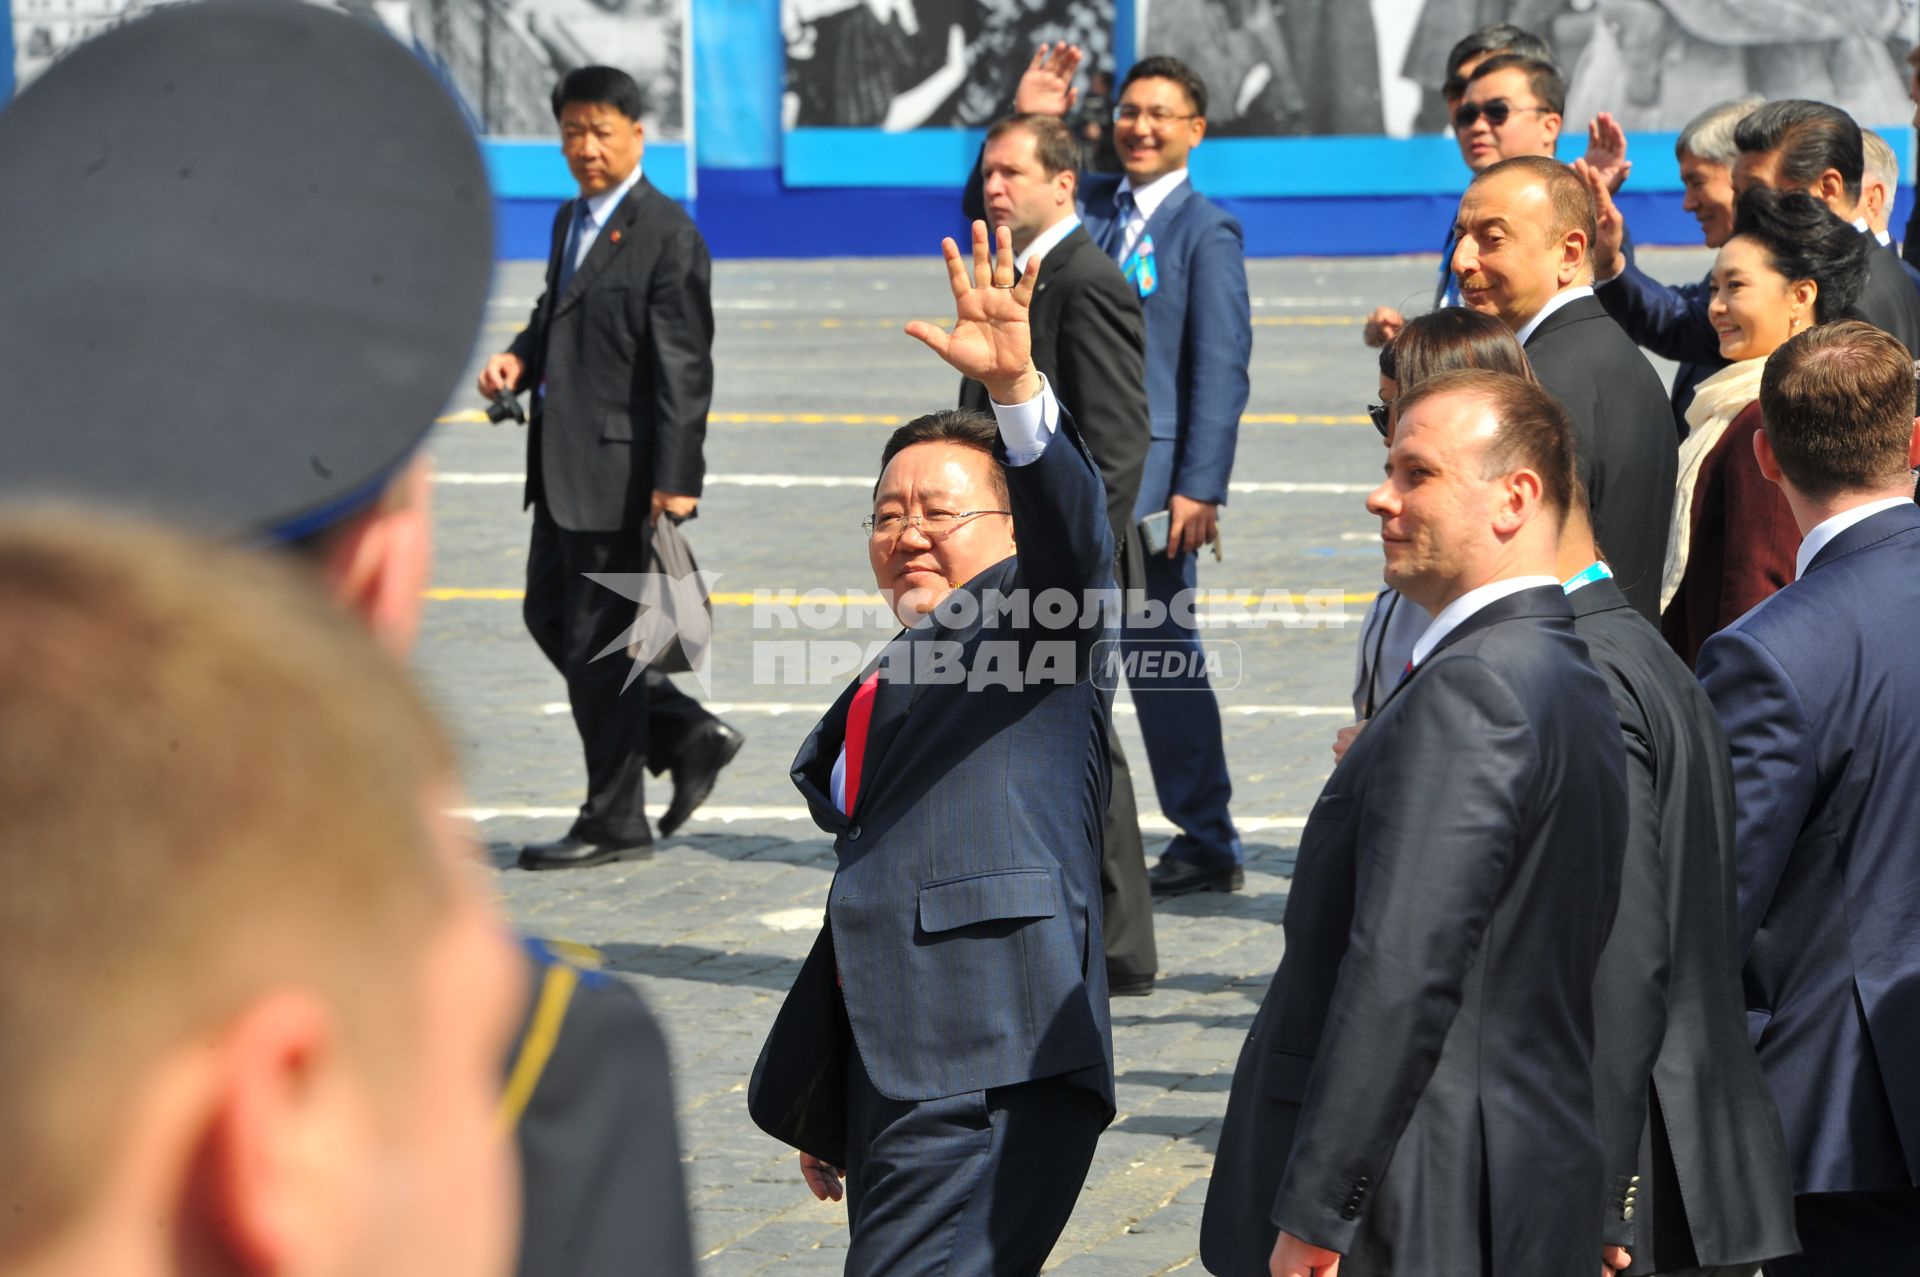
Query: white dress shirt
(1146,202)
(1554,303)
(1045,242)
(1025,430)
(1454,614)
(1826,530)
(599,208)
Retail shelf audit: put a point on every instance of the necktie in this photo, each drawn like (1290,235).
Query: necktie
(570,251)
(1116,242)
(859,718)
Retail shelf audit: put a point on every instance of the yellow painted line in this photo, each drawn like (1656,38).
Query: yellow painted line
(1302,419)
(796,598)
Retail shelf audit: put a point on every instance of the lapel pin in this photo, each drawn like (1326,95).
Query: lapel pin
(616,237)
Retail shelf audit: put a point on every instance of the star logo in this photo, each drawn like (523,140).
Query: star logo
(667,611)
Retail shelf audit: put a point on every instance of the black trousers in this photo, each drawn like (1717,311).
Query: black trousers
(1854,1235)
(624,731)
(974,1185)
(1126,900)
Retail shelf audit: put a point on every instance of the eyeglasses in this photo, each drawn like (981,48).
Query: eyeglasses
(1382,415)
(1158,116)
(1496,111)
(937,526)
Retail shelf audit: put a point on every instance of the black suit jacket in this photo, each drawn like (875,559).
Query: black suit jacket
(1707,1183)
(1623,428)
(962,946)
(1889,300)
(1417,1088)
(627,356)
(1091,343)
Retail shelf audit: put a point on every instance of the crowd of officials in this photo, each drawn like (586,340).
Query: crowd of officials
(1600,950)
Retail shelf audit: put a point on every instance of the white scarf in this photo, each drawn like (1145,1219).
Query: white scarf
(1716,402)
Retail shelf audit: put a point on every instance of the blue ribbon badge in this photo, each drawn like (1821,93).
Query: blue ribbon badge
(1139,268)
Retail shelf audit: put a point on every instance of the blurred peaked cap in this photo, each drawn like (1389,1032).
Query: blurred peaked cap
(245,248)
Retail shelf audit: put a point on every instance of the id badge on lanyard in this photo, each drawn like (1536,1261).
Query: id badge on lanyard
(1139,268)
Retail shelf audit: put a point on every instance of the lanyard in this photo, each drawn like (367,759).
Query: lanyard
(1597,571)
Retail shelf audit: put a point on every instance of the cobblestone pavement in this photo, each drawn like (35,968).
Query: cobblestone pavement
(812,369)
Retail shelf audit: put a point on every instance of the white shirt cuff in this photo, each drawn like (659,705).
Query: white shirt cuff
(1025,428)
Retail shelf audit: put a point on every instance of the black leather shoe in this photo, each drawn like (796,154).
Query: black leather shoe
(1129,986)
(695,770)
(1178,878)
(574,852)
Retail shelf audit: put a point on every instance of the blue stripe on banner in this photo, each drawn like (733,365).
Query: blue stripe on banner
(1292,167)
(533,169)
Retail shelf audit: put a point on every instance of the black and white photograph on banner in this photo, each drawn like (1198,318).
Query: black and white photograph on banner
(915,64)
(1277,69)
(501,57)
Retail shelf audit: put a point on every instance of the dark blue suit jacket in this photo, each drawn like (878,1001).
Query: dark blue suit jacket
(1199,337)
(1817,688)
(964,918)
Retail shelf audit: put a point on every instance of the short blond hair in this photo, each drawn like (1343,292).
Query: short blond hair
(212,783)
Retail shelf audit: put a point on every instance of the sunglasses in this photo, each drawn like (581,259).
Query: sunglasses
(1382,415)
(1497,112)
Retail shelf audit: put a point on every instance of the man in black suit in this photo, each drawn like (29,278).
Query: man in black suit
(946,1044)
(618,354)
(1816,688)
(1089,341)
(1416,1094)
(1523,234)
(1697,1174)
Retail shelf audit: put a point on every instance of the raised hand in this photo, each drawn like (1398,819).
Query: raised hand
(1611,228)
(1046,87)
(1607,151)
(991,341)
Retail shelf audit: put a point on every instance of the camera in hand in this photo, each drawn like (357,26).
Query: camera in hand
(505,406)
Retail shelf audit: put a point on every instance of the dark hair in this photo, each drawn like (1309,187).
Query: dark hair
(1837,403)
(1053,143)
(1804,240)
(1531,431)
(1567,195)
(1544,80)
(1808,138)
(1448,340)
(1497,37)
(600,86)
(1162,67)
(963,426)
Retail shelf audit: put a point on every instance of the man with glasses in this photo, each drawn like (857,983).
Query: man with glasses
(1185,258)
(1502,40)
(944,1059)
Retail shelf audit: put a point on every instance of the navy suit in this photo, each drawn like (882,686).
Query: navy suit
(1816,687)
(1672,322)
(1199,341)
(1663,319)
(959,974)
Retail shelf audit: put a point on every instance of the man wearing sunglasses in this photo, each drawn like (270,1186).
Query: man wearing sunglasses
(1504,98)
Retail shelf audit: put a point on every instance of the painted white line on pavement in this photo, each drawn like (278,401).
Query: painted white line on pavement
(713,814)
(776,709)
(478,478)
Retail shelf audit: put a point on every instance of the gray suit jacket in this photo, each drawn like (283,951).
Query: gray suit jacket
(1417,1089)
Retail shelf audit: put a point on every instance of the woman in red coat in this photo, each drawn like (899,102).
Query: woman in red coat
(1791,264)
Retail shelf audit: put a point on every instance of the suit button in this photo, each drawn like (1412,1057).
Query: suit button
(1349,1211)
(853,834)
(1627,1213)
(1361,1185)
